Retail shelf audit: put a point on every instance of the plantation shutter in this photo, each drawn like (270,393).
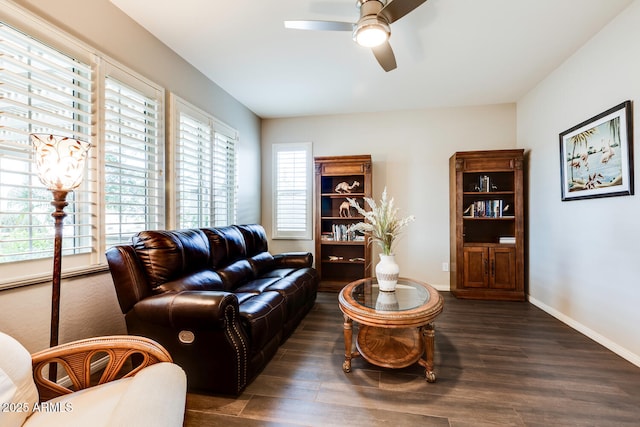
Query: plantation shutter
(41,91)
(206,170)
(292,190)
(224,179)
(134,159)
(194,173)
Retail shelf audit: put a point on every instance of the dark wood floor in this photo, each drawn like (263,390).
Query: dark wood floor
(497,363)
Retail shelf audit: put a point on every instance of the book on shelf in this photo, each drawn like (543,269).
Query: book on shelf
(342,233)
(487,209)
(506,239)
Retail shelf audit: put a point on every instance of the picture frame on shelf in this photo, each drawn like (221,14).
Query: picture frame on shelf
(596,156)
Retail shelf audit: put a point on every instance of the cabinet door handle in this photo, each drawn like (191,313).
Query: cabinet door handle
(486,267)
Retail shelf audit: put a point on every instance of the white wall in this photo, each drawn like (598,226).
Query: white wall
(584,258)
(88,305)
(410,151)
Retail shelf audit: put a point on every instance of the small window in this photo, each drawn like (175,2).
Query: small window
(292,191)
(133,157)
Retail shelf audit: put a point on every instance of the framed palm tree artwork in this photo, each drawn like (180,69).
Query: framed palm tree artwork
(596,156)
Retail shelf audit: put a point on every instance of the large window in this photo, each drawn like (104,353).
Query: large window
(205,168)
(41,91)
(66,88)
(292,191)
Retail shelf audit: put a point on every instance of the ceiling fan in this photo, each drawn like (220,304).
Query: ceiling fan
(372,29)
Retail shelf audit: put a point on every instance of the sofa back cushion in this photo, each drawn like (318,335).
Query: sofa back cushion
(227,245)
(261,263)
(169,255)
(255,238)
(236,274)
(257,250)
(203,280)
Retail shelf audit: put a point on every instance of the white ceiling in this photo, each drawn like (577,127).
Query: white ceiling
(449,52)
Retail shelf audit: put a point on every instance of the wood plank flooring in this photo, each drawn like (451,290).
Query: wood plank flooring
(497,363)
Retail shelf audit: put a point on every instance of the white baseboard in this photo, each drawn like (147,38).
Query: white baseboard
(617,349)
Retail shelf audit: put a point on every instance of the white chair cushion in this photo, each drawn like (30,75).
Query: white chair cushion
(89,407)
(18,392)
(154,397)
(157,397)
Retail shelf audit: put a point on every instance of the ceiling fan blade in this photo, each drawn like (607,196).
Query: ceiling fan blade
(319,25)
(384,55)
(396,9)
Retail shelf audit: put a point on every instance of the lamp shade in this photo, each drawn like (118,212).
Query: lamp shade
(60,160)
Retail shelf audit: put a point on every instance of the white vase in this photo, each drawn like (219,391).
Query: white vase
(387,272)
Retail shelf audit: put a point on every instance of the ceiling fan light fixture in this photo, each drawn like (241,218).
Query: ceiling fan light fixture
(371,32)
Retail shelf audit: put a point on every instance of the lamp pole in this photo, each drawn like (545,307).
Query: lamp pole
(59,202)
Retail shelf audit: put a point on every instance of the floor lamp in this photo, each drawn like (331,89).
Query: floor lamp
(60,163)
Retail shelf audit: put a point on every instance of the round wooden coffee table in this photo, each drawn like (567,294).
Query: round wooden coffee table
(395,329)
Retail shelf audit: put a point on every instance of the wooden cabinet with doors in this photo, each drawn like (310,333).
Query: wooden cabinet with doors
(489,267)
(487,224)
(340,256)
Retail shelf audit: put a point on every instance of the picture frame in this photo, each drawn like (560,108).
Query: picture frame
(596,156)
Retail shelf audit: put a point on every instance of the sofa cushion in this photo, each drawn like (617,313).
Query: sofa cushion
(297,288)
(17,388)
(169,255)
(278,272)
(261,263)
(262,317)
(257,286)
(205,280)
(227,245)
(235,274)
(254,237)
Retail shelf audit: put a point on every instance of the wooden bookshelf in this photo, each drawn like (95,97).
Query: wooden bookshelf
(487,224)
(340,257)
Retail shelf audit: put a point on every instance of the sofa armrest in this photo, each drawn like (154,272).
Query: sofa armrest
(293,259)
(76,357)
(195,310)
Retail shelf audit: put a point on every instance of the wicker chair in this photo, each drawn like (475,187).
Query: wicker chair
(138,386)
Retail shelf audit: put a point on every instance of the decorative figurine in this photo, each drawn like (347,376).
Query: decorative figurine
(344,187)
(344,207)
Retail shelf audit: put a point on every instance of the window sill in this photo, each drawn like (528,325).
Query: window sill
(79,272)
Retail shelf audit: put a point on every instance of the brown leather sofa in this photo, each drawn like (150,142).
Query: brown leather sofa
(215,298)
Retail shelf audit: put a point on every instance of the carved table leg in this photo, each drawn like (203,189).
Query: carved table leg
(348,336)
(428,332)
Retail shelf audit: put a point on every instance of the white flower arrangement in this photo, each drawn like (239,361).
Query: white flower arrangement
(382,224)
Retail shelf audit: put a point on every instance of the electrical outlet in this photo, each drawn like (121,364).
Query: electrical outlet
(445,266)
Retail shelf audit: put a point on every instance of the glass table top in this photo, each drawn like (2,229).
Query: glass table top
(408,295)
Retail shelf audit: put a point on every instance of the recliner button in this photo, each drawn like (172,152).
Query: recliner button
(186,337)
